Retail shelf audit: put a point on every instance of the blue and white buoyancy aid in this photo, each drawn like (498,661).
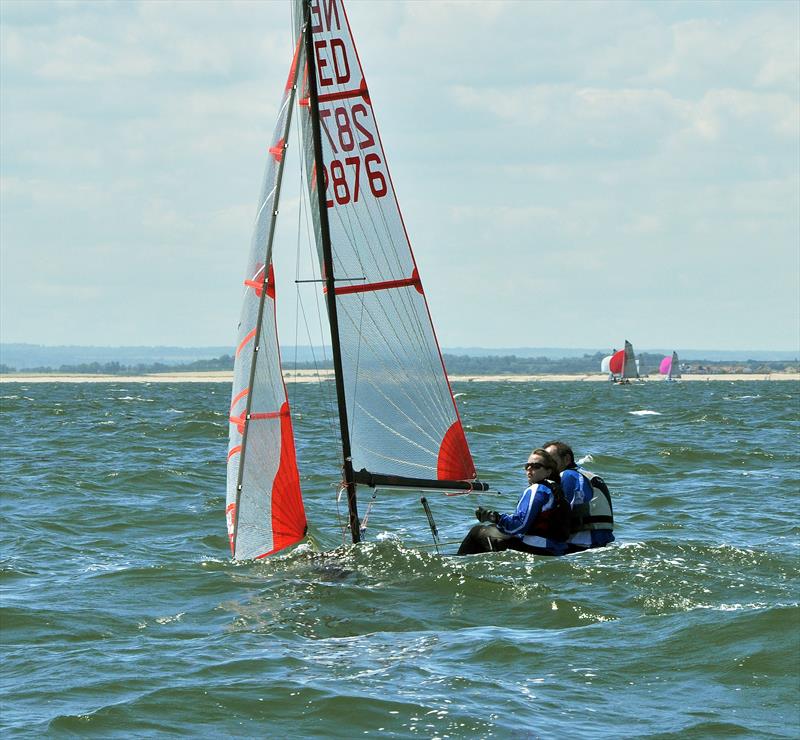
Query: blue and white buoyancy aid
(592,512)
(531,520)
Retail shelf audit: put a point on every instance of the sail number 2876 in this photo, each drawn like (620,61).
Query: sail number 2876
(344,173)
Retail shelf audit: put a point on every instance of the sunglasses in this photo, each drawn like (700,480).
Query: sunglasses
(534,466)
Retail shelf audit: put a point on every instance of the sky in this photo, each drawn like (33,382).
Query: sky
(571,174)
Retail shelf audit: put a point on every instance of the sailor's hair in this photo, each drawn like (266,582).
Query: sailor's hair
(563,450)
(554,479)
(549,461)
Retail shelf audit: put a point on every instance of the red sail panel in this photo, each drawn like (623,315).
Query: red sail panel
(617,362)
(288,514)
(455,461)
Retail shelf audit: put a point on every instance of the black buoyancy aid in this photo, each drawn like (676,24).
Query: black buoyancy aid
(553,523)
(598,513)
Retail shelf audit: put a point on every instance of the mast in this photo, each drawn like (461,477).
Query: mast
(327,260)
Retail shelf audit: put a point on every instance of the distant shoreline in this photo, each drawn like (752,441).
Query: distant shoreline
(311,376)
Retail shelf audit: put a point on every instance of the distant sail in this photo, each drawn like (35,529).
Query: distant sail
(616,362)
(629,369)
(264,507)
(675,367)
(402,419)
(670,367)
(623,363)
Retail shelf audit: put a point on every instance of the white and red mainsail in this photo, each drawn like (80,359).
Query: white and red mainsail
(401,417)
(264,508)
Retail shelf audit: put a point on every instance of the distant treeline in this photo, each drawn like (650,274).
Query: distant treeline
(225,362)
(588,364)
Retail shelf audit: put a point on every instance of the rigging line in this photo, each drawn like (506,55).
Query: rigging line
(344,528)
(323,387)
(304,217)
(300,210)
(369,509)
(307,197)
(326,391)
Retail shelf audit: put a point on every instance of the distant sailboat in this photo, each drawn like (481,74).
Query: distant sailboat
(622,365)
(398,422)
(670,367)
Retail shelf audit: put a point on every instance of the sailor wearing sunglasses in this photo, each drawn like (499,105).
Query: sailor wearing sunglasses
(539,524)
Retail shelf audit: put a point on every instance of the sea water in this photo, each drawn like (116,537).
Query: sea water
(123,615)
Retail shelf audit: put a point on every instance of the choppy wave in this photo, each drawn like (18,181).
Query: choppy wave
(116,579)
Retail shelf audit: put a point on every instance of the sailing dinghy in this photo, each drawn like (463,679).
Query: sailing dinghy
(670,367)
(398,421)
(623,366)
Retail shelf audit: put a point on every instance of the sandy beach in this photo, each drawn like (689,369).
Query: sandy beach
(311,376)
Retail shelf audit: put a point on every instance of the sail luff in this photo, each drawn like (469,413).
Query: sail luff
(329,277)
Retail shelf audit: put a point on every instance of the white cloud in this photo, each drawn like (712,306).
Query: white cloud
(621,139)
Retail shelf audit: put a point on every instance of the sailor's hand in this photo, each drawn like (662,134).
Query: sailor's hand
(485,515)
